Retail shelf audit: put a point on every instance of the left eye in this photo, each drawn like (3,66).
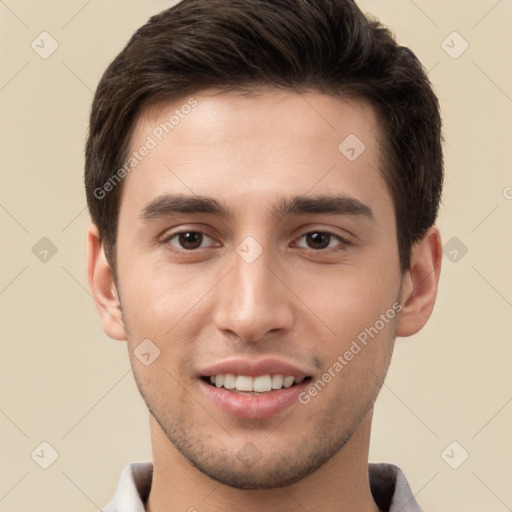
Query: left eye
(319,240)
(188,240)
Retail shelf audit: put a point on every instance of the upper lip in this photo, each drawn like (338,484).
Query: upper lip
(253,368)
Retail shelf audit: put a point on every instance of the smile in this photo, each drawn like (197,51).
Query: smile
(254,385)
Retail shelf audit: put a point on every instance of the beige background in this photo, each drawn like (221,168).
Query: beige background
(64,382)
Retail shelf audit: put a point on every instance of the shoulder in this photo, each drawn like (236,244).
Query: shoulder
(390,488)
(133,488)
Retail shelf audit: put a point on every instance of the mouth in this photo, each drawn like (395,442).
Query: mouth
(253,398)
(256,388)
(258,385)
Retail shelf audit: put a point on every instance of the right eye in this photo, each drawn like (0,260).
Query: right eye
(187,240)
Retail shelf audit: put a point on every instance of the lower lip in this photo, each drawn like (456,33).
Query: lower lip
(253,406)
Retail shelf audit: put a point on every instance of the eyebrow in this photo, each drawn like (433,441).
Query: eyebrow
(173,204)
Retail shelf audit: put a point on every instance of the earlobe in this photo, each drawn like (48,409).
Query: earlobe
(101,283)
(420,284)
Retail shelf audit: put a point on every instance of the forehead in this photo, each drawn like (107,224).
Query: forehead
(255,146)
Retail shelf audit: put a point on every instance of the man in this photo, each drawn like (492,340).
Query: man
(263,178)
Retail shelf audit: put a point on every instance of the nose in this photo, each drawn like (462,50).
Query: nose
(253,299)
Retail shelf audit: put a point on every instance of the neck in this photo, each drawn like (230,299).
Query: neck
(340,485)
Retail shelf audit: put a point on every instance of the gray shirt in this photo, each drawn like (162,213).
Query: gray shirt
(388,484)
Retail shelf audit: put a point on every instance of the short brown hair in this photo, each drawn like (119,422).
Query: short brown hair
(297,45)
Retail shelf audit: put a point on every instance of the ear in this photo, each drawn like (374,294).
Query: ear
(101,283)
(420,283)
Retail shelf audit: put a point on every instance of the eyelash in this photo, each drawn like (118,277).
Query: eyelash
(344,243)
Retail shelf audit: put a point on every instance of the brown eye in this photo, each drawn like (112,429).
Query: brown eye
(318,240)
(188,240)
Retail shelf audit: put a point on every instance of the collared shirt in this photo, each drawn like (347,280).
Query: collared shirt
(388,484)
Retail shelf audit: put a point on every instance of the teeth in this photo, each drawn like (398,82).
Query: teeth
(277,381)
(243,383)
(229,381)
(288,381)
(260,384)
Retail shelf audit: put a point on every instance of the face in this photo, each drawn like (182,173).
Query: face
(259,258)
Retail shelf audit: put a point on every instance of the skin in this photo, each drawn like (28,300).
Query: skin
(297,302)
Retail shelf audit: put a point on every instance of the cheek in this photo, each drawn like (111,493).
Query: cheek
(348,299)
(158,296)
